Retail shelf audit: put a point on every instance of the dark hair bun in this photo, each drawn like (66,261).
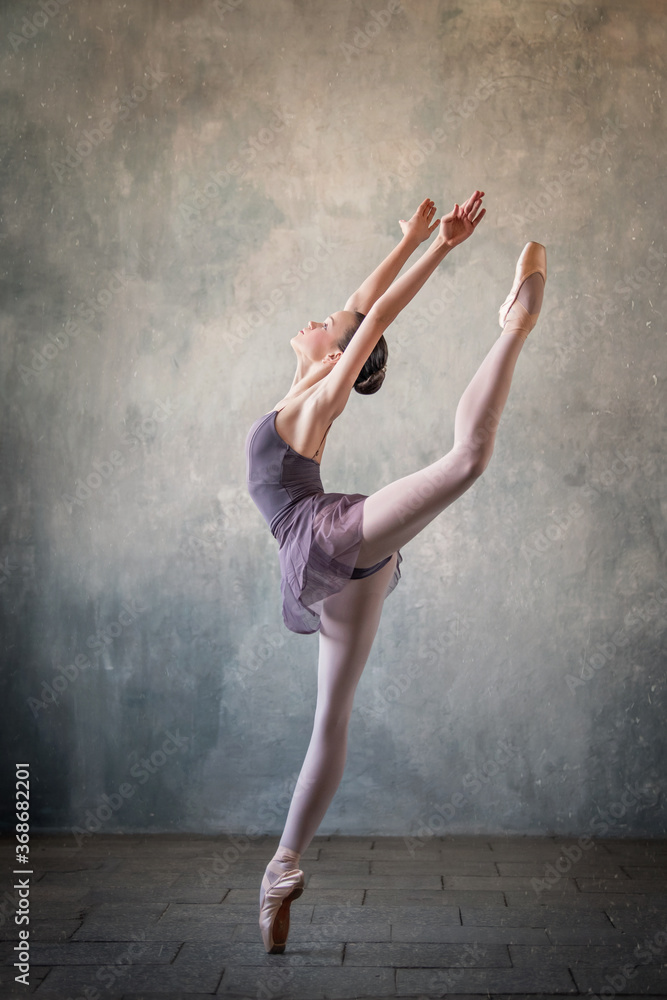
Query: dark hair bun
(371,376)
(371,384)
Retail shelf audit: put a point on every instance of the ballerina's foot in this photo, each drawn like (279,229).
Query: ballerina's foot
(531,294)
(282,883)
(282,862)
(520,310)
(525,310)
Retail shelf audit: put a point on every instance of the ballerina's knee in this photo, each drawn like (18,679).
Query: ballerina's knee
(466,462)
(478,462)
(472,457)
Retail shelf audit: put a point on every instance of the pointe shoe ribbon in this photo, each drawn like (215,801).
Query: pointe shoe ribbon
(274,909)
(533,260)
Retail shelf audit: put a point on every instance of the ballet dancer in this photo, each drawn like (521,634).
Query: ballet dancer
(340,553)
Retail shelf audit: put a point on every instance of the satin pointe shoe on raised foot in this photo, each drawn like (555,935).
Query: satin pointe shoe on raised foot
(533,260)
(274,907)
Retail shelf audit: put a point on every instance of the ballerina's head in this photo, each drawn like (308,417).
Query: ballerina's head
(324,343)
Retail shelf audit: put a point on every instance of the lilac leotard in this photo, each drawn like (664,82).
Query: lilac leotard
(319,534)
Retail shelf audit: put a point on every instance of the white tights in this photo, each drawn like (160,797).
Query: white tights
(392,517)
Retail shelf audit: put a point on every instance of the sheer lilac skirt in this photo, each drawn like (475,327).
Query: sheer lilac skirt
(319,546)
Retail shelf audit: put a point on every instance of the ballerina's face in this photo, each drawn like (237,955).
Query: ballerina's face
(319,340)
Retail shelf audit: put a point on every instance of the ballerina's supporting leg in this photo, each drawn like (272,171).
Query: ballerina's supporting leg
(399,511)
(348,626)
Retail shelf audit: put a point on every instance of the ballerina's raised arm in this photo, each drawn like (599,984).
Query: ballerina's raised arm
(384,300)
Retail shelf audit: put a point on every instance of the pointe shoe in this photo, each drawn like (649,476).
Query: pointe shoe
(274,909)
(533,260)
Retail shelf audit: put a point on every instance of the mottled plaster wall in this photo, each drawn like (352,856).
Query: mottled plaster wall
(183,186)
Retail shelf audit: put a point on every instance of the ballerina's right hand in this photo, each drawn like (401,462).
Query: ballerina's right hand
(421,225)
(462,221)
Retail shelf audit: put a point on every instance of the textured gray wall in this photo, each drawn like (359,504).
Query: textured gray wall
(184,184)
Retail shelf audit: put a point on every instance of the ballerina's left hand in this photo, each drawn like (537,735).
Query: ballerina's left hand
(462,221)
(421,225)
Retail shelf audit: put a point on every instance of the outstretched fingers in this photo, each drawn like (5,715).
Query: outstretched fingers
(475,197)
(431,222)
(472,208)
(421,225)
(476,219)
(427,209)
(463,219)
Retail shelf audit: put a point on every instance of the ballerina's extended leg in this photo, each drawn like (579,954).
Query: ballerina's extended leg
(399,511)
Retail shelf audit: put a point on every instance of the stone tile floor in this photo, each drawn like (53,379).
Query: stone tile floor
(165,917)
